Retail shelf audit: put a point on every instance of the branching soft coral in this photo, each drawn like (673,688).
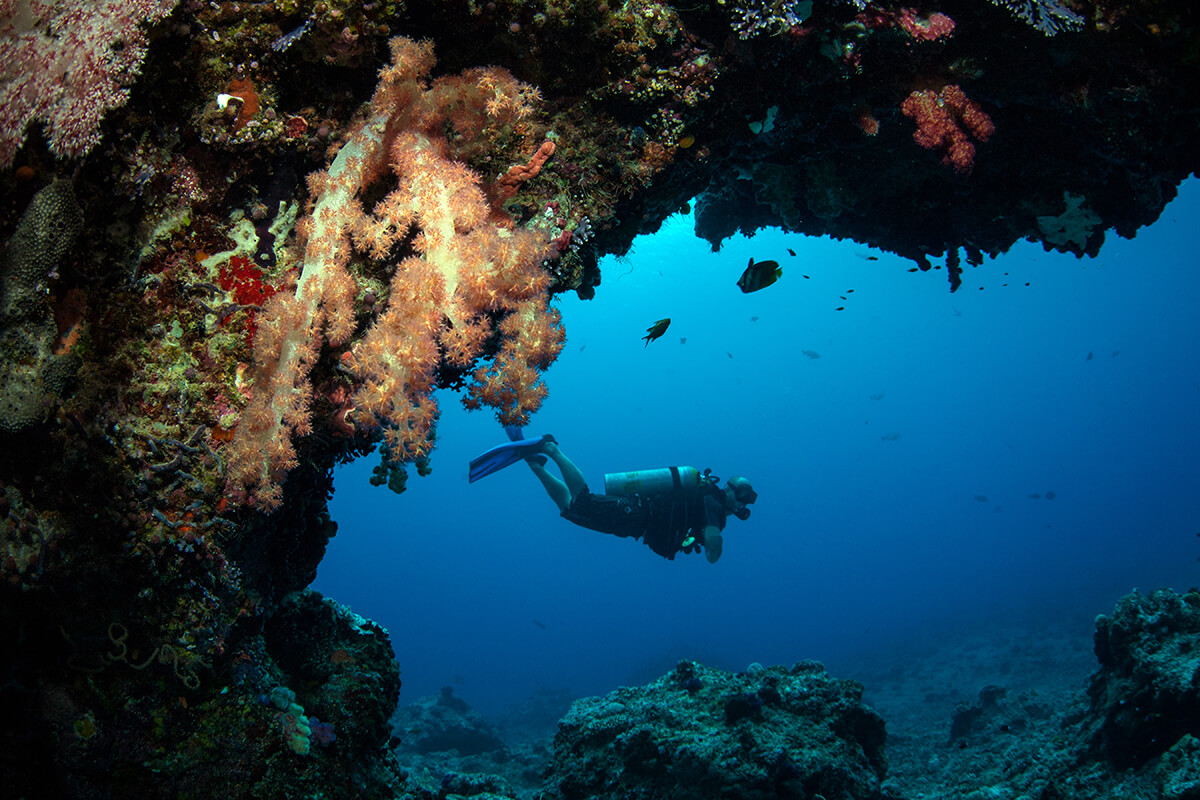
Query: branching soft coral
(463,270)
(533,337)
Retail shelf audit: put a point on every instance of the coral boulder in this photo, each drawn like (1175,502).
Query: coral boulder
(704,733)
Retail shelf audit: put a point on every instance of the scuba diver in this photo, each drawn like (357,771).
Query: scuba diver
(673,510)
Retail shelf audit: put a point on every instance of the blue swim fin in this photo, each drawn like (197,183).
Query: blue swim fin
(503,455)
(516,433)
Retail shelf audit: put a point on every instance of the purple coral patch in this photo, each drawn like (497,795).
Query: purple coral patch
(322,732)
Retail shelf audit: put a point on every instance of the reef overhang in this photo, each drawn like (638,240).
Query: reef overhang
(249,242)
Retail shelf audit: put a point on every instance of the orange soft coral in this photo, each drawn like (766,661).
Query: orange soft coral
(463,270)
(533,337)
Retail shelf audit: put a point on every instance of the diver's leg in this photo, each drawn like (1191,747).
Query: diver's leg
(554,487)
(571,474)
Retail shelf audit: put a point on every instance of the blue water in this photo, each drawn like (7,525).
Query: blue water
(860,538)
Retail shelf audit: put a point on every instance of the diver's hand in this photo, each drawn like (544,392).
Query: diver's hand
(713,542)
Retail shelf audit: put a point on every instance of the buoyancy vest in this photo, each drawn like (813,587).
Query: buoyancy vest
(674,517)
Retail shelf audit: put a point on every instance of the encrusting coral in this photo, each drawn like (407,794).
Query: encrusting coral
(465,275)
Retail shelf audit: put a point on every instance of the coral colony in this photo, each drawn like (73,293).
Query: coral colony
(468,266)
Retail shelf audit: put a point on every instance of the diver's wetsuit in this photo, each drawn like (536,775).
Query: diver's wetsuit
(662,521)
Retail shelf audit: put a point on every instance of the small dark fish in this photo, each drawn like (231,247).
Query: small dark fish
(754,319)
(982,498)
(1090,356)
(759,276)
(791,252)
(849,291)
(656,330)
(1115,353)
(683,340)
(840,308)
(813,354)
(1050,495)
(1036,495)
(876,396)
(842,296)
(806,278)
(866,257)
(890,437)
(581,347)
(913,269)
(729,354)
(541,625)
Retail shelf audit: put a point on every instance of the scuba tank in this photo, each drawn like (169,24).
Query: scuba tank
(681,480)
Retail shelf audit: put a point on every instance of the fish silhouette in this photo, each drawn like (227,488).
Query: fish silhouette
(656,330)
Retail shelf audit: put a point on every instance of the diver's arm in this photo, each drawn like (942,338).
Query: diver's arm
(712,543)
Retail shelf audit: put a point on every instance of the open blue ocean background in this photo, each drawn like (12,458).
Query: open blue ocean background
(904,449)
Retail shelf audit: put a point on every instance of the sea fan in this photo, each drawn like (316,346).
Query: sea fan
(1048,16)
